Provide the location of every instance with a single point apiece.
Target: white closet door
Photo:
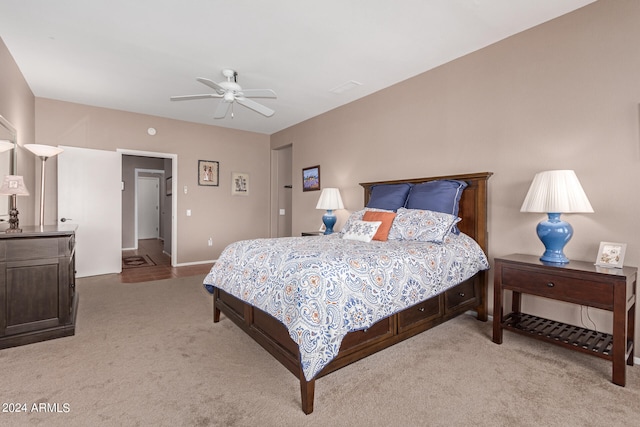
(148, 207)
(90, 195)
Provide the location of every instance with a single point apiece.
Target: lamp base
(14, 222)
(329, 220)
(554, 234)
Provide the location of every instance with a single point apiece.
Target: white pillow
(362, 231)
(421, 225)
(357, 216)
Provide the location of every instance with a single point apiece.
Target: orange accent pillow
(385, 217)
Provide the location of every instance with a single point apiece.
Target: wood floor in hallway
(162, 270)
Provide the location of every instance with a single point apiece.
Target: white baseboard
(184, 264)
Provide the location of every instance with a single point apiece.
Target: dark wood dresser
(38, 298)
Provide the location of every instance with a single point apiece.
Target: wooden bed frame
(469, 295)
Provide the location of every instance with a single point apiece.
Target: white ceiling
(133, 55)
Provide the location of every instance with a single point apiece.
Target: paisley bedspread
(323, 287)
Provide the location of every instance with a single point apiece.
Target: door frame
(174, 199)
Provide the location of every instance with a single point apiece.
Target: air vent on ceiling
(345, 87)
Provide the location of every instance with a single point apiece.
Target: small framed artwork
(311, 178)
(208, 172)
(239, 184)
(169, 186)
(611, 255)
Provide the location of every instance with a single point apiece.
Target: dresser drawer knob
(461, 294)
(550, 285)
(421, 309)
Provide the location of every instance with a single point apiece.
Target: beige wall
(563, 95)
(17, 105)
(215, 212)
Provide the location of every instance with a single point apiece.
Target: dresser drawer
(462, 294)
(30, 249)
(419, 313)
(555, 285)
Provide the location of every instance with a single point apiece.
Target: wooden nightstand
(577, 282)
(312, 233)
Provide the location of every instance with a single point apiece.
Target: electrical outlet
(210, 241)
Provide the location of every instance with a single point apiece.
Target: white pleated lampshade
(557, 191)
(330, 199)
(13, 184)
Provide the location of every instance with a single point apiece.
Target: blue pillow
(390, 197)
(439, 196)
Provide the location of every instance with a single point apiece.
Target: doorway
(166, 164)
(281, 191)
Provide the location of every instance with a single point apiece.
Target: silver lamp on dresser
(44, 152)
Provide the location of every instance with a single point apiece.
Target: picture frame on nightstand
(611, 255)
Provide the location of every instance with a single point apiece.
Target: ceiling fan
(230, 91)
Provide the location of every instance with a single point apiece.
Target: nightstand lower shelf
(575, 337)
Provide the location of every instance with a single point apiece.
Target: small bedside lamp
(555, 192)
(13, 185)
(330, 200)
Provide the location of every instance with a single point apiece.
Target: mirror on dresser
(8, 139)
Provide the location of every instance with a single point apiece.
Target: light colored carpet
(148, 354)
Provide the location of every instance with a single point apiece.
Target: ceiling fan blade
(258, 93)
(213, 85)
(189, 97)
(222, 109)
(255, 106)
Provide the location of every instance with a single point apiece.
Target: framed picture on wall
(239, 184)
(611, 254)
(311, 178)
(208, 172)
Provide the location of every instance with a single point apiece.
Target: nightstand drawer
(556, 286)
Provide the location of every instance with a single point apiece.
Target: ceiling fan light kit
(230, 91)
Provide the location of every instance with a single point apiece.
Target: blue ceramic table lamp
(554, 193)
(330, 200)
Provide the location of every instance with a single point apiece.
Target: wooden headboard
(473, 204)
